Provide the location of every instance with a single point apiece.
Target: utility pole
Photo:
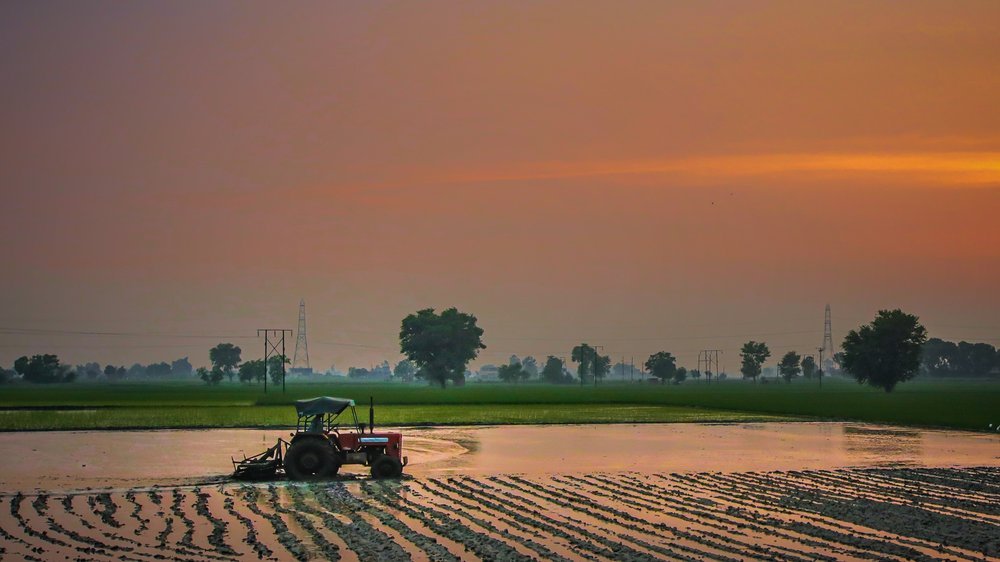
(709, 357)
(274, 337)
(827, 333)
(820, 367)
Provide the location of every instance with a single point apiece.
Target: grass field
(923, 403)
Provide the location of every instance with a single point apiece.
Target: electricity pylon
(301, 358)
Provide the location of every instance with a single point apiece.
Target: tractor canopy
(322, 405)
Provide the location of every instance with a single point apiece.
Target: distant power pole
(301, 345)
(273, 338)
(709, 357)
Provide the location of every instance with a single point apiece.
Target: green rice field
(971, 405)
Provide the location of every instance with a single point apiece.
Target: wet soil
(808, 515)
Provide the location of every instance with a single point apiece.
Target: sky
(644, 176)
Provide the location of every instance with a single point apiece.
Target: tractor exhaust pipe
(371, 414)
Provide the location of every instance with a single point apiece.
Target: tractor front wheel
(310, 459)
(386, 467)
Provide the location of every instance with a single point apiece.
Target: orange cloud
(965, 168)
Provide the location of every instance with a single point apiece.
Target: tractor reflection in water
(318, 449)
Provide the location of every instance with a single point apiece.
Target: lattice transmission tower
(827, 348)
(301, 358)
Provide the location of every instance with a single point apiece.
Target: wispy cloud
(949, 168)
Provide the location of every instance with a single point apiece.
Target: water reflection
(883, 446)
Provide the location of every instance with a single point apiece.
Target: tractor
(320, 446)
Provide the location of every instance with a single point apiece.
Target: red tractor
(319, 446)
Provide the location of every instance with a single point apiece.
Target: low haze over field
(636, 176)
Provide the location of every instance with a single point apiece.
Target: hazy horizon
(643, 176)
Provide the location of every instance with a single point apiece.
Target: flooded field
(798, 491)
(883, 514)
(117, 459)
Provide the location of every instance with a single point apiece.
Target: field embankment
(179, 405)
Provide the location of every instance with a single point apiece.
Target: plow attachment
(262, 466)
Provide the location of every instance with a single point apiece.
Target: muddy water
(121, 459)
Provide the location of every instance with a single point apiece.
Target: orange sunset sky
(642, 175)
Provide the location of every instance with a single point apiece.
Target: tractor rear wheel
(311, 459)
(387, 467)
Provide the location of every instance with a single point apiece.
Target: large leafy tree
(601, 366)
(753, 355)
(225, 357)
(441, 345)
(789, 367)
(252, 371)
(275, 367)
(530, 366)
(809, 368)
(583, 356)
(404, 370)
(43, 369)
(552, 372)
(885, 352)
(662, 365)
(512, 373)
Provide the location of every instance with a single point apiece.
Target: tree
(181, 367)
(274, 367)
(212, 377)
(226, 357)
(511, 373)
(789, 366)
(43, 369)
(404, 370)
(753, 355)
(552, 372)
(158, 370)
(885, 352)
(680, 375)
(662, 365)
(694, 374)
(530, 366)
(809, 368)
(252, 371)
(583, 356)
(601, 366)
(441, 345)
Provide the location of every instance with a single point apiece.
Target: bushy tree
(43, 369)
(512, 373)
(753, 354)
(404, 370)
(158, 370)
(680, 375)
(212, 377)
(252, 371)
(552, 372)
(276, 367)
(885, 352)
(583, 355)
(530, 366)
(662, 365)
(789, 366)
(181, 367)
(809, 367)
(226, 357)
(441, 345)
